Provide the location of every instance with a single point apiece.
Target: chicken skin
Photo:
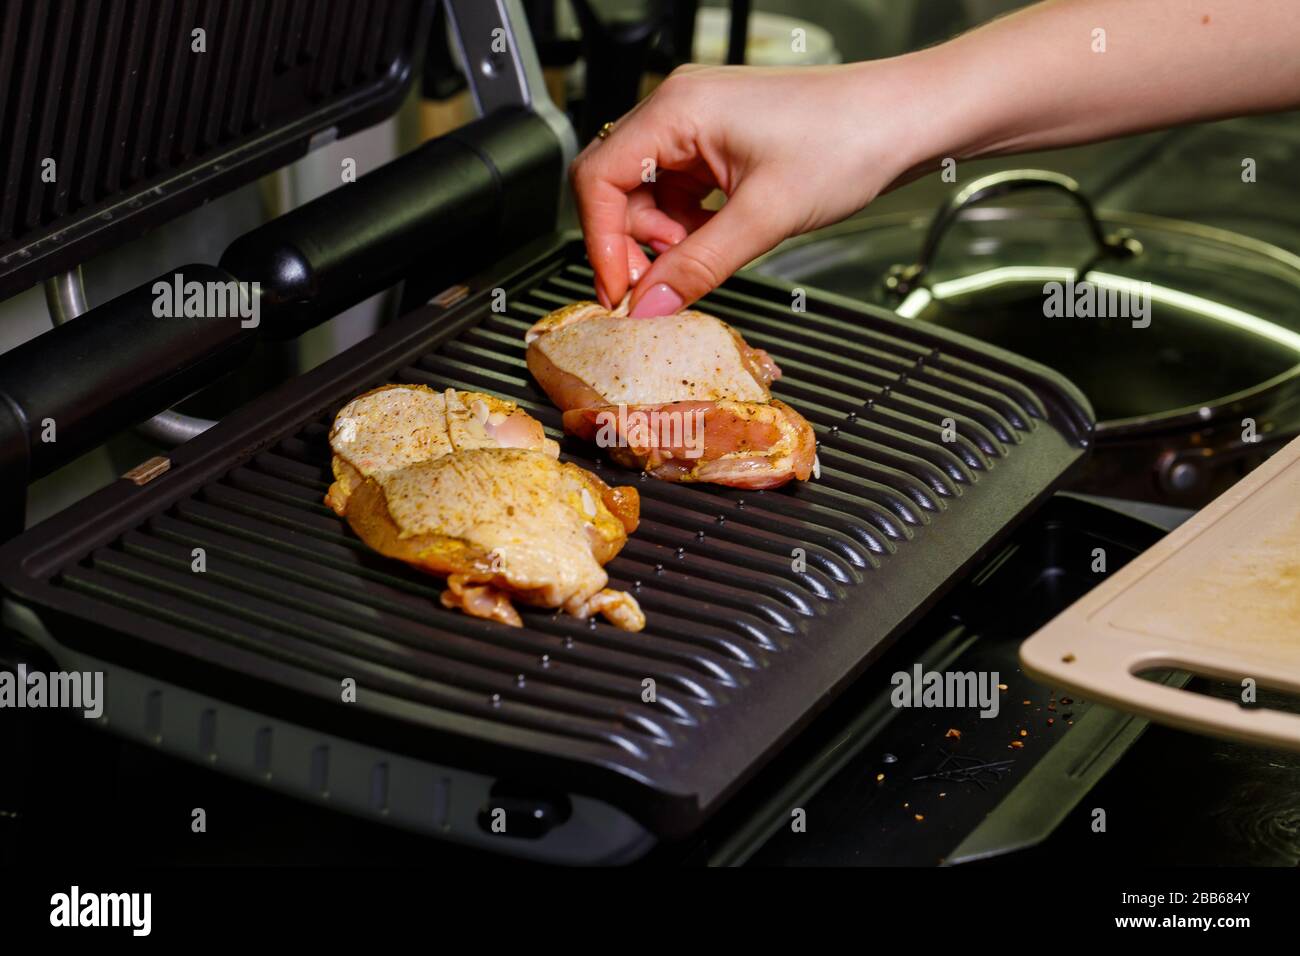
(743, 444)
(584, 355)
(682, 396)
(398, 425)
(503, 524)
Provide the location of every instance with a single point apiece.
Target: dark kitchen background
(1171, 797)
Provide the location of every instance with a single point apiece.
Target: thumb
(742, 230)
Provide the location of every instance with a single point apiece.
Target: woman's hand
(793, 149)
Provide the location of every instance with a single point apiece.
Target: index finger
(602, 210)
(603, 175)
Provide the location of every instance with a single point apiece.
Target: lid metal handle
(903, 279)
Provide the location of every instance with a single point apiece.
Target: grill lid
(116, 117)
(760, 605)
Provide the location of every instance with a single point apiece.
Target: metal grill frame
(734, 685)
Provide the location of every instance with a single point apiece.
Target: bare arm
(1073, 71)
(795, 149)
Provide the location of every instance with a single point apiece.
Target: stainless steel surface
(65, 297)
(172, 428)
(501, 63)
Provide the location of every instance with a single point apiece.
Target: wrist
(916, 110)
(957, 109)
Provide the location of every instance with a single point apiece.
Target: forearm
(797, 149)
(1045, 77)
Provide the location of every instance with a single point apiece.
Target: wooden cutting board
(1219, 596)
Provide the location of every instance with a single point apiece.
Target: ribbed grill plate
(759, 604)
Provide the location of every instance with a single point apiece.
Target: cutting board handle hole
(1248, 692)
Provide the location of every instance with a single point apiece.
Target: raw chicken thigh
(399, 425)
(584, 355)
(682, 396)
(467, 485)
(503, 524)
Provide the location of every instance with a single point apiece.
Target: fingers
(605, 178)
(741, 231)
(645, 224)
(649, 224)
(602, 208)
(679, 197)
(637, 265)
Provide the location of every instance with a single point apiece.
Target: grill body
(760, 606)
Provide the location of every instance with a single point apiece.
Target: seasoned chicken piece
(504, 523)
(399, 425)
(682, 396)
(584, 355)
(745, 444)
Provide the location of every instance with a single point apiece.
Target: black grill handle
(69, 389)
(439, 213)
(445, 210)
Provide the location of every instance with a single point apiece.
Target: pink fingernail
(661, 300)
(601, 295)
